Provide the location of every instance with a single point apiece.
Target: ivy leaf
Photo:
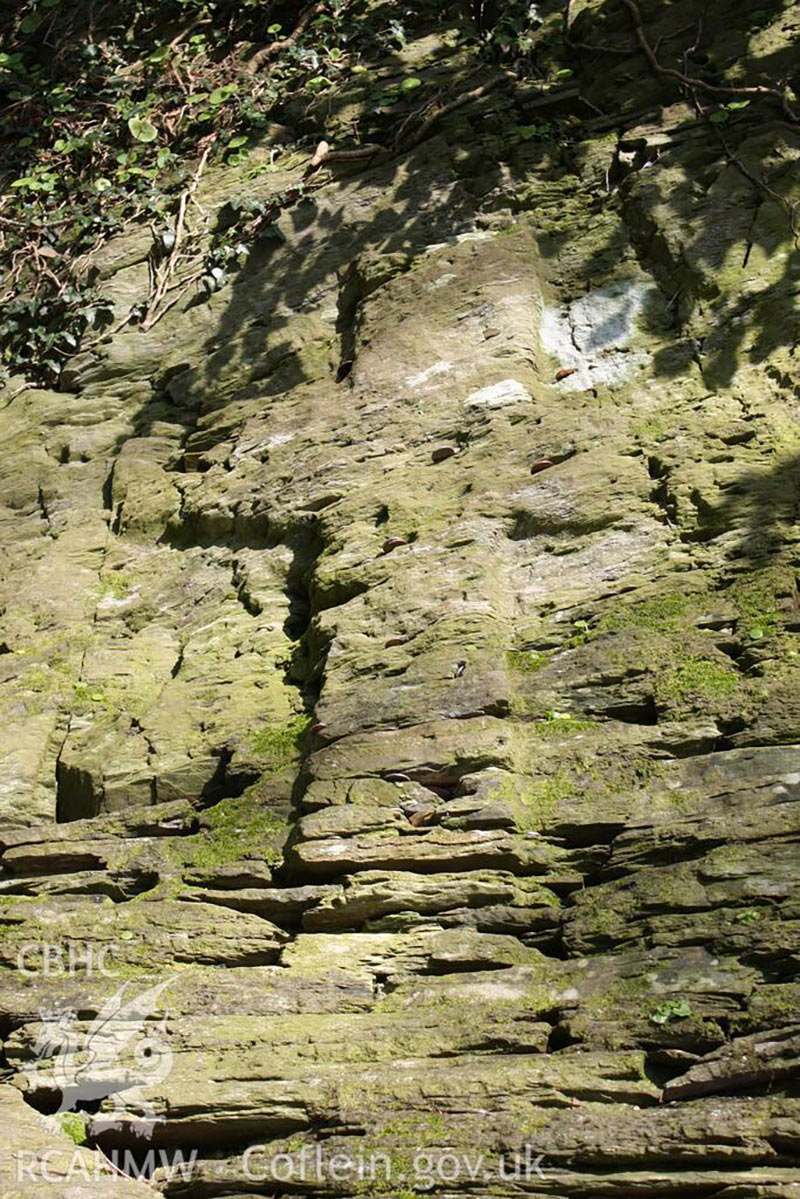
(671, 1009)
(142, 129)
(410, 84)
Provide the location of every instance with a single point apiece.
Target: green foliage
(541, 131)
(723, 115)
(114, 584)
(104, 113)
(142, 130)
(73, 1124)
(748, 916)
(757, 598)
(671, 1009)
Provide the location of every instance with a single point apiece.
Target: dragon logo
(115, 1060)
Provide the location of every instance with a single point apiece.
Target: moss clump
(234, 828)
(756, 599)
(659, 614)
(280, 745)
(114, 585)
(698, 679)
(73, 1125)
(525, 661)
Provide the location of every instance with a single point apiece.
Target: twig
(666, 37)
(623, 51)
(267, 52)
(762, 185)
(162, 283)
(115, 1168)
(106, 334)
(693, 48)
(444, 109)
(372, 151)
(410, 119)
(165, 308)
(693, 84)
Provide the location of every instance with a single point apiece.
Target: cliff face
(400, 659)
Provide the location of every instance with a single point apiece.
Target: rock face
(454, 799)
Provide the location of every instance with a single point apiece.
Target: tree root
(694, 84)
(162, 278)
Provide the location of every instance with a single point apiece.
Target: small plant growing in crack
(748, 916)
(669, 1010)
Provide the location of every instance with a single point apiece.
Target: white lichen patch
(497, 395)
(591, 335)
(438, 368)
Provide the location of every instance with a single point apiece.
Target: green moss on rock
(697, 680)
(279, 746)
(525, 661)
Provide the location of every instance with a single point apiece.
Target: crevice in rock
(309, 649)
(243, 594)
(108, 489)
(638, 712)
(561, 1037)
(76, 795)
(178, 663)
(44, 511)
(351, 293)
(224, 783)
(661, 495)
